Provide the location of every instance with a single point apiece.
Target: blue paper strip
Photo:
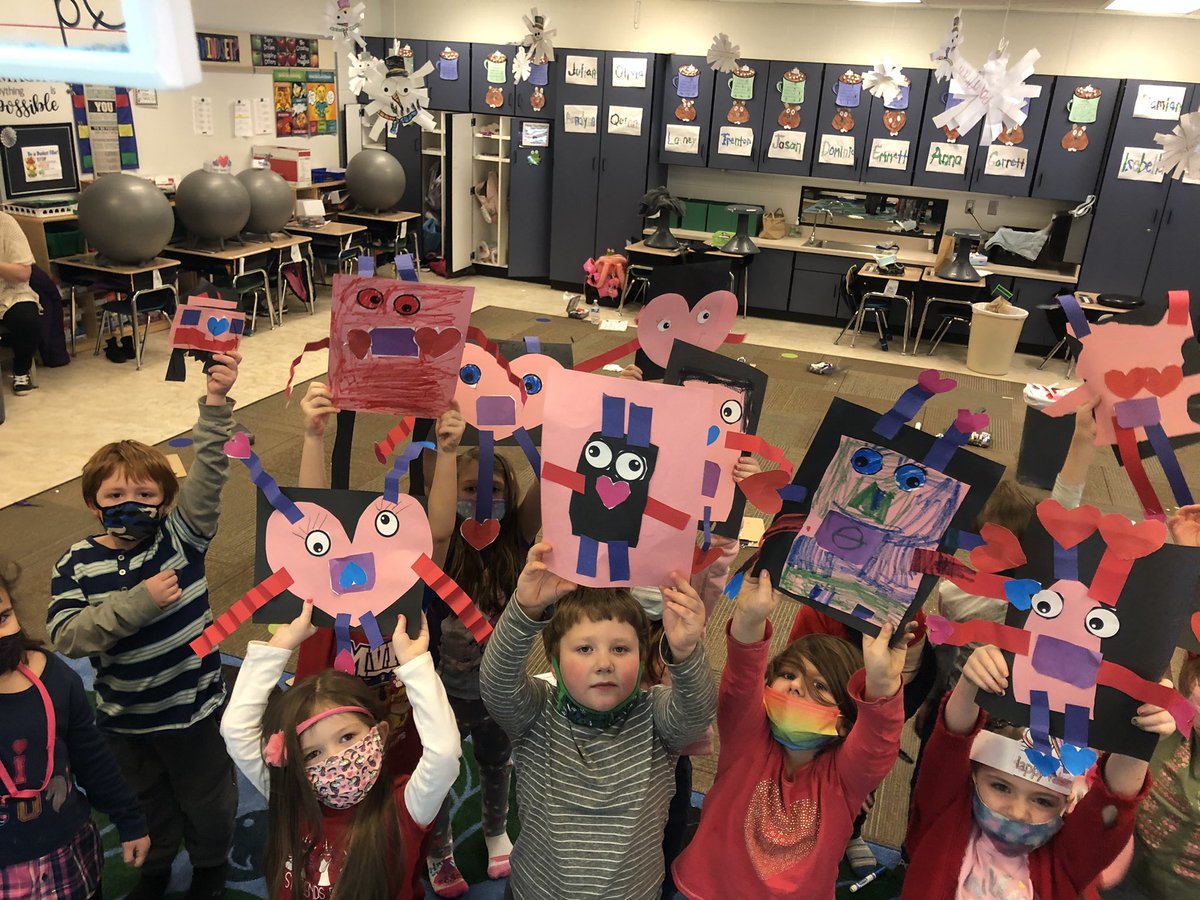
(904, 410)
(944, 448)
(370, 626)
(1039, 721)
(341, 633)
(1079, 322)
(956, 538)
(586, 564)
(618, 560)
(639, 425)
(271, 490)
(1166, 456)
(531, 450)
(612, 416)
(707, 542)
(1075, 725)
(1066, 563)
(735, 585)
(391, 483)
(487, 468)
(793, 493)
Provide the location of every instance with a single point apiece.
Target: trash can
(993, 339)
(1044, 440)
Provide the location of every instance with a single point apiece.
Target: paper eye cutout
(317, 543)
(387, 523)
(1102, 622)
(470, 375)
(1048, 604)
(731, 412)
(370, 298)
(630, 466)
(407, 305)
(909, 477)
(664, 325)
(866, 461)
(598, 454)
(703, 316)
(533, 384)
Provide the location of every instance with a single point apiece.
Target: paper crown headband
(1008, 756)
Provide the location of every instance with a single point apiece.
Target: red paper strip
(978, 631)
(599, 362)
(254, 599)
(566, 477)
(1127, 446)
(493, 349)
(454, 597)
(676, 518)
(384, 448)
(933, 562)
(1134, 685)
(322, 344)
(753, 443)
(734, 338)
(1178, 308)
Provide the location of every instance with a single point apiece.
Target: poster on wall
(322, 102)
(271, 51)
(305, 102)
(38, 159)
(104, 126)
(221, 48)
(34, 102)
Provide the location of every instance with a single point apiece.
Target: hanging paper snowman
(345, 22)
(396, 94)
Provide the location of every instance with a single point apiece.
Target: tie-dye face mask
(800, 724)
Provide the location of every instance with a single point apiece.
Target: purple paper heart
(933, 382)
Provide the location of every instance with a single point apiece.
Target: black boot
(208, 883)
(152, 885)
(127, 347)
(113, 352)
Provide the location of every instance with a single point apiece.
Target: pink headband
(276, 751)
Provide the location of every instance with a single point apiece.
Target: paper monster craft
(621, 470)
(1137, 371)
(201, 327)
(394, 347)
(360, 557)
(1092, 624)
(874, 491)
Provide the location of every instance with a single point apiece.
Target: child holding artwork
(133, 598)
(595, 755)
(49, 748)
(805, 738)
(340, 822)
(489, 578)
(985, 825)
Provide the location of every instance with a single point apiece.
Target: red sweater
(771, 836)
(942, 822)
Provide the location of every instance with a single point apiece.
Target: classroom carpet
(37, 530)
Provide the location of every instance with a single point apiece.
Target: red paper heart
(479, 534)
(1132, 540)
(967, 421)
(239, 446)
(933, 382)
(1068, 526)
(1164, 381)
(1125, 384)
(359, 342)
(940, 629)
(1000, 552)
(762, 489)
(434, 343)
(702, 559)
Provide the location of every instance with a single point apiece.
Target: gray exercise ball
(271, 200)
(212, 205)
(375, 179)
(127, 219)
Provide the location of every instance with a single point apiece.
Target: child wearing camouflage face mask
(141, 585)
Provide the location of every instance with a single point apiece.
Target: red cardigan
(941, 823)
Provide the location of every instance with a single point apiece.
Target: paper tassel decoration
(944, 56)
(537, 41)
(997, 95)
(522, 65)
(344, 22)
(723, 54)
(1181, 148)
(885, 80)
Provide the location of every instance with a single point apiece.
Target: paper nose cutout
(612, 493)
(351, 574)
(359, 342)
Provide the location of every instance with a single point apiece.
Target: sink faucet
(812, 235)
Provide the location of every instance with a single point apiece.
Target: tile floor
(51, 432)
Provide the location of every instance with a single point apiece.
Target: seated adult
(20, 309)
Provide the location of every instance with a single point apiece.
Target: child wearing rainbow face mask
(804, 740)
(985, 825)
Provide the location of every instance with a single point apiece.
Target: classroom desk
(928, 278)
(339, 235)
(391, 225)
(35, 232)
(1087, 302)
(909, 278)
(257, 257)
(87, 272)
(640, 272)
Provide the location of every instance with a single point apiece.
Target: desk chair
(948, 319)
(302, 269)
(144, 302)
(637, 281)
(863, 302)
(255, 283)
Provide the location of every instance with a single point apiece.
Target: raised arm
(443, 488)
(740, 713)
(683, 712)
(200, 493)
(1068, 487)
(317, 406)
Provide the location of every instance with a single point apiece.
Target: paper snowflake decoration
(522, 65)
(944, 56)
(885, 80)
(538, 39)
(723, 54)
(396, 95)
(1181, 148)
(997, 95)
(344, 22)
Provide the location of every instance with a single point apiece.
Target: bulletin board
(38, 159)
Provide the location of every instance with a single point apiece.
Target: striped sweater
(593, 801)
(147, 677)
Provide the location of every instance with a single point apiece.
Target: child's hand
(1155, 719)
(632, 372)
(134, 852)
(537, 586)
(222, 375)
(1185, 526)
(683, 617)
(745, 467)
(164, 588)
(406, 648)
(757, 599)
(1085, 422)
(987, 669)
(317, 406)
(883, 662)
(297, 631)
(450, 428)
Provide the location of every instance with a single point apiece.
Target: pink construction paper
(716, 451)
(667, 318)
(213, 331)
(495, 388)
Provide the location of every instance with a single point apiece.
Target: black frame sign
(28, 154)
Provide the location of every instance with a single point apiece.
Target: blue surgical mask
(1020, 836)
(466, 509)
(132, 520)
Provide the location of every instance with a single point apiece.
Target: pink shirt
(988, 873)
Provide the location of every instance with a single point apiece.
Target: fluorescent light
(885, 1)
(1161, 7)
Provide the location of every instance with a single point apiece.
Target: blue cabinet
(816, 282)
(738, 103)
(626, 167)
(1068, 166)
(687, 110)
(1007, 165)
(842, 122)
(492, 89)
(893, 133)
(576, 142)
(534, 97)
(788, 130)
(771, 279)
(530, 173)
(1173, 264)
(450, 84)
(944, 160)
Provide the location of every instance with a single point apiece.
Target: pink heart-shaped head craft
(238, 447)
(932, 381)
(967, 421)
(667, 318)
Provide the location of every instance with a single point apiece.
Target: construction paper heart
(1125, 384)
(1068, 527)
(1164, 381)
(702, 559)
(940, 629)
(1196, 625)
(762, 489)
(932, 381)
(238, 447)
(667, 318)
(434, 343)
(612, 493)
(359, 342)
(480, 534)
(217, 327)
(1019, 592)
(1000, 551)
(1132, 540)
(1046, 763)
(1076, 760)
(967, 421)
